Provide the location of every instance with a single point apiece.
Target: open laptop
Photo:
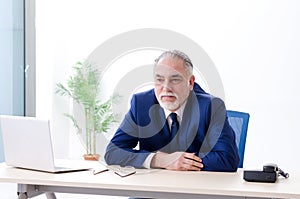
(27, 144)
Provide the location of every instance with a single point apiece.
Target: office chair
(239, 122)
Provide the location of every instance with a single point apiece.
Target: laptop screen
(27, 142)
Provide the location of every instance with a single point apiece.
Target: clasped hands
(179, 161)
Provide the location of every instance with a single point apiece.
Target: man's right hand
(179, 161)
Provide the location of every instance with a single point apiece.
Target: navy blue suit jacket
(204, 130)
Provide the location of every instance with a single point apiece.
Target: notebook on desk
(27, 144)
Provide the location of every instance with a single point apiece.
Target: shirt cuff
(147, 162)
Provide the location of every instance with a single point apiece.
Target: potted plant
(84, 89)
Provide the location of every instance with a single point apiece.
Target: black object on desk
(269, 174)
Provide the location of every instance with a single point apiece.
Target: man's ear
(191, 82)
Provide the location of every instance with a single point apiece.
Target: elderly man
(176, 125)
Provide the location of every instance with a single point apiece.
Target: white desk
(150, 183)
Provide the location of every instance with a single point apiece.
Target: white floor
(9, 191)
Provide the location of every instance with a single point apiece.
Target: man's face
(172, 83)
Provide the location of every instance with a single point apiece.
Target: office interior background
(254, 46)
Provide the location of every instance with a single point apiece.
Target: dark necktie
(174, 125)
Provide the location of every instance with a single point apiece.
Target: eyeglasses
(120, 171)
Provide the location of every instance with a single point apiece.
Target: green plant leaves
(84, 88)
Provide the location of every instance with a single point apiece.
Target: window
(11, 60)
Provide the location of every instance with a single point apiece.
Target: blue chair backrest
(239, 123)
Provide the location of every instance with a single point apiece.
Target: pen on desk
(95, 172)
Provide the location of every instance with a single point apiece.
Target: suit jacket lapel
(190, 122)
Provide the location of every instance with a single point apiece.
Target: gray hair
(177, 54)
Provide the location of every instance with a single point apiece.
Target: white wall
(254, 45)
